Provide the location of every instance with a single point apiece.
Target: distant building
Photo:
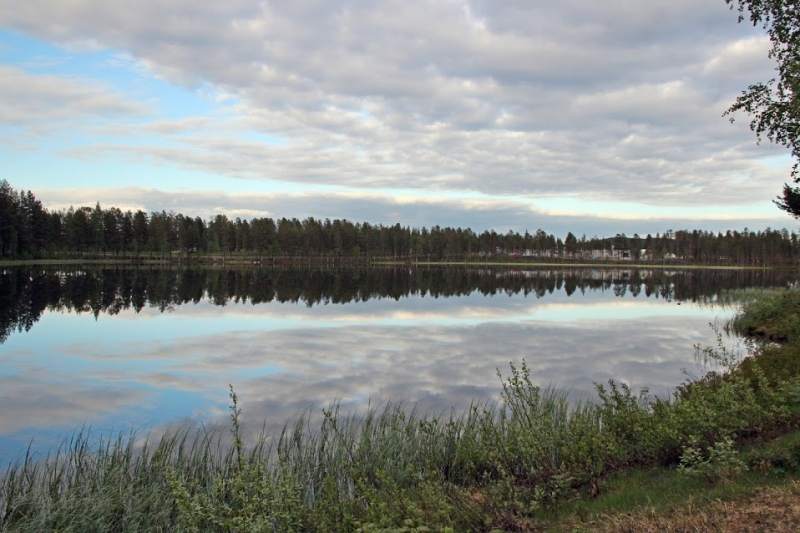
(621, 253)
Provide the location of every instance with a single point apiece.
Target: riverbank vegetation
(29, 231)
(537, 460)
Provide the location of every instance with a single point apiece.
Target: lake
(122, 348)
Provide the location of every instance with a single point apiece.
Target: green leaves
(720, 461)
(775, 105)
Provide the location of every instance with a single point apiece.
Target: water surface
(125, 348)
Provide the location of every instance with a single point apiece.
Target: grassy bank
(535, 462)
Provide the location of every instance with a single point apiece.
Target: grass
(778, 313)
(662, 498)
(536, 461)
(767, 509)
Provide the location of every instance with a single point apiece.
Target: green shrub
(719, 462)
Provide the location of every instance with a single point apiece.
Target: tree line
(30, 231)
(27, 292)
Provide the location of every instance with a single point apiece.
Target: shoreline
(256, 261)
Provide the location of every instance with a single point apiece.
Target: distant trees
(27, 230)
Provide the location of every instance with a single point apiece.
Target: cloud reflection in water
(285, 358)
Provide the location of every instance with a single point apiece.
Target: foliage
(719, 462)
(774, 104)
(247, 498)
(773, 315)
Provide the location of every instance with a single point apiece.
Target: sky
(583, 116)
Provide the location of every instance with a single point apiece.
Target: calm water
(116, 349)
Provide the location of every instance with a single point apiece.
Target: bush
(719, 462)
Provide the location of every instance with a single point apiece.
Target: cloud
(389, 208)
(39, 399)
(445, 366)
(43, 101)
(633, 163)
(740, 61)
(614, 101)
(280, 372)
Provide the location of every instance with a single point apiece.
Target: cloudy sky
(577, 115)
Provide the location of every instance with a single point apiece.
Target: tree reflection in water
(27, 292)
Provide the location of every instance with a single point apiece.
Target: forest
(30, 231)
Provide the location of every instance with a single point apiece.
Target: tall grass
(394, 468)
